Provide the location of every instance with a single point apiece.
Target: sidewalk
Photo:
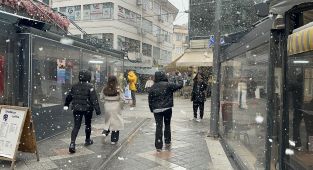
(191, 149)
(54, 151)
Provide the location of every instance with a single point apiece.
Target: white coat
(113, 112)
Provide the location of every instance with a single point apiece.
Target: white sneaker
(113, 143)
(198, 120)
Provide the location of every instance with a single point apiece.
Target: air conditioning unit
(139, 2)
(160, 18)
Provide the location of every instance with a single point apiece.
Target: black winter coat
(83, 95)
(198, 92)
(161, 93)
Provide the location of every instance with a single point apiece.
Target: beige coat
(113, 112)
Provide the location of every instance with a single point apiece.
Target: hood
(160, 76)
(131, 74)
(84, 76)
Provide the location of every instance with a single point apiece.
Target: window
(156, 52)
(164, 15)
(156, 30)
(128, 17)
(72, 12)
(156, 8)
(128, 44)
(147, 25)
(146, 49)
(179, 37)
(147, 5)
(243, 101)
(98, 11)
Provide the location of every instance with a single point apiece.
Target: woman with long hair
(198, 96)
(112, 97)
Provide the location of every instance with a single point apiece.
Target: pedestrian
(198, 96)
(160, 103)
(149, 84)
(112, 96)
(84, 100)
(132, 80)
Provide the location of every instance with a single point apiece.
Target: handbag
(127, 93)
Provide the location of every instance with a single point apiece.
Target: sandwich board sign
(16, 133)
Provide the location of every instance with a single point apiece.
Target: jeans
(197, 105)
(114, 135)
(78, 116)
(133, 95)
(159, 117)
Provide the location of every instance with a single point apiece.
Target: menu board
(11, 125)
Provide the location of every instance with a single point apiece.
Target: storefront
(266, 92)
(37, 68)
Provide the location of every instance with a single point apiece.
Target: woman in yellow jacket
(132, 80)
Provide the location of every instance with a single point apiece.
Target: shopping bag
(127, 93)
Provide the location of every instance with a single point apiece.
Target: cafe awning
(196, 57)
(301, 41)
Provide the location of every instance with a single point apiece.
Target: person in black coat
(198, 96)
(84, 100)
(160, 103)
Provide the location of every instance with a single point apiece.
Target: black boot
(88, 142)
(72, 148)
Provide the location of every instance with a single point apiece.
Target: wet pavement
(191, 149)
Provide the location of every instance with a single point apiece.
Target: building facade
(144, 29)
(180, 40)
(236, 16)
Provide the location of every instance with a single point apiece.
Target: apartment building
(180, 40)
(143, 28)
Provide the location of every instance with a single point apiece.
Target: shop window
(243, 105)
(97, 65)
(55, 70)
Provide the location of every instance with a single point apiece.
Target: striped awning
(301, 41)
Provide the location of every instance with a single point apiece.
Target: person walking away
(160, 103)
(149, 84)
(198, 96)
(112, 96)
(84, 100)
(132, 80)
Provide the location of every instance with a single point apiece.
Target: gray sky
(182, 5)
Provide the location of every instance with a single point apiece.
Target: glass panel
(243, 105)
(146, 49)
(97, 64)
(55, 69)
(300, 81)
(72, 12)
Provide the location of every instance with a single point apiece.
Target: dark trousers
(159, 118)
(78, 117)
(197, 105)
(133, 95)
(114, 135)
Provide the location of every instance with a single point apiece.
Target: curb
(123, 144)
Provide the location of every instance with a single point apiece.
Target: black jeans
(197, 105)
(114, 135)
(159, 117)
(78, 116)
(133, 95)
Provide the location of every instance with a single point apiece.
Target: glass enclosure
(243, 105)
(55, 68)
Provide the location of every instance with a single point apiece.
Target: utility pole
(215, 101)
